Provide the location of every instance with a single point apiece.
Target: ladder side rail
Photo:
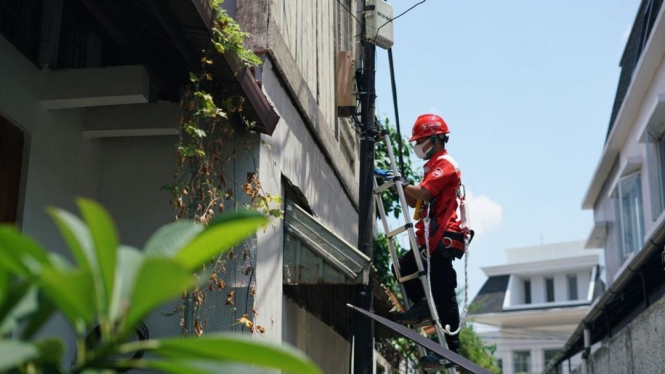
(391, 245)
(407, 216)
(393, 256)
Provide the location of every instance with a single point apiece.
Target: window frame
(549, 281)
(524, 361)
(573, 293)
(626, 249)
(527, 291)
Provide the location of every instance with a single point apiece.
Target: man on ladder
(436, 200)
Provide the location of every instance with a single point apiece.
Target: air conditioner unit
(378, 23)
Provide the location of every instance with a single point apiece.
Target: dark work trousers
(444, 281)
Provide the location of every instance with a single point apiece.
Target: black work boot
(419, 312)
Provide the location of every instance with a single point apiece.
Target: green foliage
(383, 262)
(227, 36)
(382, 161)
(208, 144)
(115, 287)
(474, 349)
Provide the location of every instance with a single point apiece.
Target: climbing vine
(202, 188)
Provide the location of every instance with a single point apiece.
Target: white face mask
(420, 150)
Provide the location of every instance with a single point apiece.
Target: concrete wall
(638, 348)
(60, 164)
(308, 334)
(291, 151)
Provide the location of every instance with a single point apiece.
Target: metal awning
(315, 255)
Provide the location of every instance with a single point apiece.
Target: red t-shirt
(442, 179)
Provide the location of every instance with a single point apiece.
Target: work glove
(385, 174)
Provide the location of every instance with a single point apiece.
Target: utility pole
(363, 327)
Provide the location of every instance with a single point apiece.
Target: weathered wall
(291, 151)
(308, 28)
(308, 333)
(637, 349)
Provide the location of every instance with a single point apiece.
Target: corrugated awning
(315, 255)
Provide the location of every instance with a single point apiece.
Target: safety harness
(456, 243)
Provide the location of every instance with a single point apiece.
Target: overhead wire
(347, 9)
(394, 18)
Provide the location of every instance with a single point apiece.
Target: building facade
(626, 194)
(89, 106)
(532, 304)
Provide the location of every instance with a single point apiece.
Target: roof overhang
(186, 26)
(597, 236)
(624, 121)
(315, 255)
(542, 267)
(535, 317)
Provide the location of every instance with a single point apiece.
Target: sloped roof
(491, 295)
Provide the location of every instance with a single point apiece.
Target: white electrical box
(378, 23)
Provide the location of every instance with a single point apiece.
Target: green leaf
(71, 291)
(15, 354)
(221, 235)
(20, 254)
(59, 261)
(76, 235)
(170, 238)
(199, 367)
(39, 318)
(130, 261)
(105, 239)
(78, 238)
(21, 300)
(51, 350)
(158, 281)
(238, 348)
(4, 285)
(174, 367)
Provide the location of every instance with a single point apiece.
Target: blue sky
(526, 88)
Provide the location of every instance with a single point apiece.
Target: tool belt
(453, 244)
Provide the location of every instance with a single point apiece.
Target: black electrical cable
(394, 18)
(347, 9)
(399, 133)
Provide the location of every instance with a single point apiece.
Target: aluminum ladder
(407, 227)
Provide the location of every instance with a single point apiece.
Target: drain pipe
(587, 349)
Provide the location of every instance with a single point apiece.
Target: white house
(627, 195)
(534, 302)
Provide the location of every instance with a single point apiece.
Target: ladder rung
(398, 231)
(384, 187)
(409, 277)
(425, 323)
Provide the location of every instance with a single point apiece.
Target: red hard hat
(428, 125)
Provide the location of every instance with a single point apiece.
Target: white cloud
(485, 213)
